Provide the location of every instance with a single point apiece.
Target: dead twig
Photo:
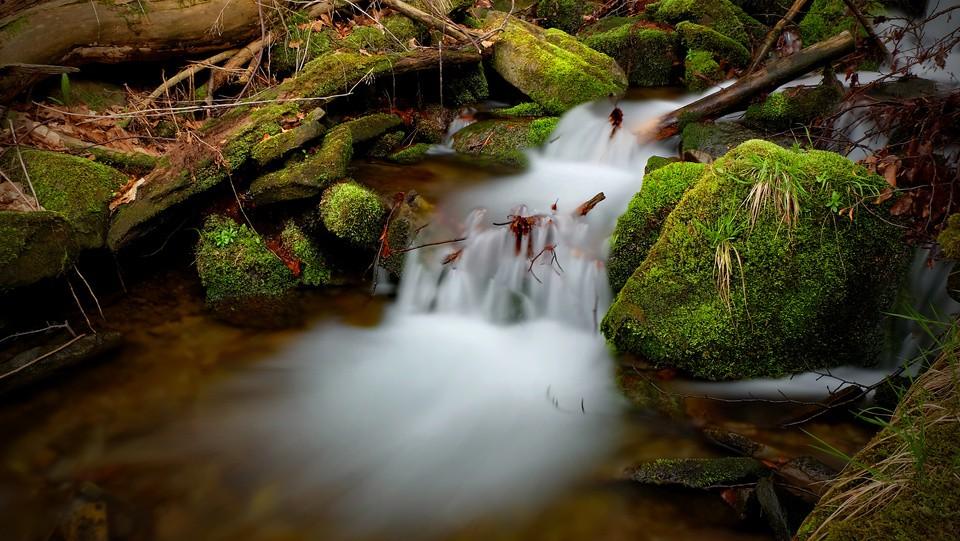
(42, 357)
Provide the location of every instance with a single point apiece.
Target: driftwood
(871, 32)
(774, 34)
(773, 75)
(188, 72)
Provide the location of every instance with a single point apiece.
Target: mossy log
(76, 32)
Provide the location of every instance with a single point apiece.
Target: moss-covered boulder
(701, 70)
(827, 18)
(34, 246)
(310, 265)
(656, 162)
(639, 227)
(715, 138)
(465, 85)
(697, 472)
(410, 155)
(77, 188)
(793, 107)
(567, 15)
(237, 269)
(274, 147)
(372, 126)
(701, 38)
(353, 213)
(722, 16)
(646, 52)
(552, 67)
(304, 178)
(755, 274)
(503, 141)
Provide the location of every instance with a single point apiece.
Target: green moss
(697, 472)
(353, 213)
(277, 146)
(308, 177)
(827, 18)
(432, 122)
(551, 67)
(313, 267)
(501, 141)
(301, 44)
(132, 163)
(949, 238)
(524, 109)
(234, 262)
(466, 85)
(567, 15)
(639, 227)
(538, 134)
(367, 127)
(698, 37)
(411, 154)
(801, 296)
(33, 246)
(646, 54)
(793, 107)
(657, 162)
(701, 70)
(77, 188)
(385, 145)
(720, 15)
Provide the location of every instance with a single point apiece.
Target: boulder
(353, 213)
(552, 67)
(721, 15)
(34, 246)
(755, 275)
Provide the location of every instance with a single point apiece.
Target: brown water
(155, 429)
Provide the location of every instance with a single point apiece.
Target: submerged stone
(308, 177)
(646, 52)
(353, 213)
(797, 287)
(504, 141)
(552, 67)
(639, 227)
(34, 246)
(697, 472)
(77, 188)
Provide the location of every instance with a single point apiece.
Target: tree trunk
(76, 32)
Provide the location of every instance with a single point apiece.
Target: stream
(478, 402)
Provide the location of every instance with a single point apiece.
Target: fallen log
(443, 25)
(773, 75)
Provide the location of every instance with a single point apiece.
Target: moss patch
(411, 154)
(313, 267)
(701, 70)
(523, 109)
(639, 227)
(368, 127)
(800, 295)
(567, 15)
(949, 238)
(77, 188)
(646, 54)
(33, 246)
(656, 162)
(827, 18)
(720, 15)
(697, 472)
(353, 213)
(504, 141)
(551, 67)
(277, 146)
(699, 37)
(793, 107)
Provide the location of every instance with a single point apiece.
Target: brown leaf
(890, 174)
(902, 206)
(884, 196)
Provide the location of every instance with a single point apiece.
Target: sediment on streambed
(714, 191)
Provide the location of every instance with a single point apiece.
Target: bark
(773, 75)
(76, 32)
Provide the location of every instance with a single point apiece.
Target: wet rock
(567, 15)
(820, 297)
(504, 141)
(371, 126)
(307, 177)
(697, 472)
(715, 138)
(551, 67)
(646, 53)
(639, 227)
(411, 215)
(773, 512)
(702, 38)
(386, 144)
(430, 125)
(410, 155)
(353, 213)
(243, 279)
(39, 363)
(466, 85)
(701, 70)
(34, 246)
(793, 107)
(721, 15)
(78, 189)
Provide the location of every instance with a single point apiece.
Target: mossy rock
(504, 141)
(567, 15)
(701, 70)
(411, 215)
(715, 138)
(77, 188)
(721, 15)
(656, 162)
(465, 85)
(313, 267)
(697, 472)
(237, 269)
(701, 38)
(369, 127)
(793, 107)
(552, 67)
(280, 145)
(949, 238)
(646, 53)
(301, 44)
(431, 123)
(353, 213)
(799, 294)
(827, 18)
(386, 144)
(393, 34)
(307, 177)
(526, 109)
(34, 246)
(639, 227)
(410, 155)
